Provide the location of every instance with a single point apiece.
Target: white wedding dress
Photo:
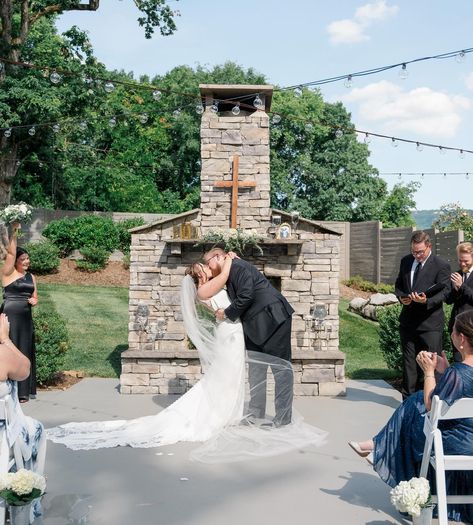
(211, 411)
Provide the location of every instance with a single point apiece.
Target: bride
(212, 411)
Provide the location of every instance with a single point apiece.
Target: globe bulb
(156, 94)
(83, 125)
(214, 107)
(467, 176)
(55, 77)
(56, 128)
(367, 139)
(143, 118)
(399, 176)
(460, 57)
(441, 150)
(2, 67)
(348, 82)
(258, 103)
(109, 87)
(403, 73)
(338, 133)
(199, 109)
(32, 131)
(176, 113)
(236, 110)
(112, 122)
(394, 143)
(276, 119)
(419, 147)
(7, 133)
(88, 80)
(309, 126)
(298, 92)
(461, 154)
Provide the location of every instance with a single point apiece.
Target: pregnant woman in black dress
(19, 295)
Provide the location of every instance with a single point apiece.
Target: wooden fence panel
(365, 250)
(445, 246)
(395, 243)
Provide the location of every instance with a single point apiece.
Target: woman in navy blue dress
(396, 451)
(19, 295)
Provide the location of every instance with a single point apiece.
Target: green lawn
(97, 322)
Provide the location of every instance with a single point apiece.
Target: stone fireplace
(301, 259)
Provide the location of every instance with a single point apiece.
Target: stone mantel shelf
(316, 355)
(264, 241)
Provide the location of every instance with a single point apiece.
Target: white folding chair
(463, 408)
(10, 454)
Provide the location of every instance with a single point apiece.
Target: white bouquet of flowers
(20, 212)
(411, 496)
(22, 487)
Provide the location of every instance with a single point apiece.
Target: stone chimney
(235, 146)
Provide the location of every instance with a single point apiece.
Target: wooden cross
(234, 184)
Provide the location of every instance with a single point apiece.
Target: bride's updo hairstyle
(464, 325)
(193, 271)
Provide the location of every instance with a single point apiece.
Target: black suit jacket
(462, 299)
(429, 316)
(260, 307)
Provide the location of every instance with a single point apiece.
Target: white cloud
(353, 30)
(469, 81)
(421, 110)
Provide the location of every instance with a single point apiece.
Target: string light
(394, 143)
(338, 133)
(236, 109)
(403, 73)
(419, 147)
(276, 119)
(298, 91)
(258, 103)
(7, 133)
(460, 57)
(109, 87)
(348, 81)
(367, 139)
(199, 109)
(214, 107)
(461, 154)
(112, 122)
(156, 94)
(143, 118)
(56, 128)
(32, 131)
(55, 77)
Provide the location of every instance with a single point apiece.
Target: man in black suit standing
(461, 291)
(266, 318)
(421, 287)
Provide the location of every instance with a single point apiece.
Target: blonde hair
(465, 247)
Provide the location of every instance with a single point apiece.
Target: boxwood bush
(389, 339)
(95, 259)
(44, 257)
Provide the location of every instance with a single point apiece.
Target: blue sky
(303, 40)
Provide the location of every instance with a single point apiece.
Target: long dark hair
(464, 325)
(20, 252)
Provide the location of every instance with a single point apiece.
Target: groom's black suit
(266, 318)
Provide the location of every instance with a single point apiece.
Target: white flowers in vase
(411, 496)
(20, 212)
(233, 239)
(22, 487)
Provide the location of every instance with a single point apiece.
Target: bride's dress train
(209, 412)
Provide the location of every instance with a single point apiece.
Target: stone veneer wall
(222, 137)
(159, 359)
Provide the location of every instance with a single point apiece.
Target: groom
(266, 318)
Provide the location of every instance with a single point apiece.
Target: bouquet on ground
(22, 487)
(411, 496)
(20, 212)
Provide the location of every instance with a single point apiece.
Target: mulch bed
(63, 380)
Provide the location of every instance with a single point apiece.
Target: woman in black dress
(19, 295)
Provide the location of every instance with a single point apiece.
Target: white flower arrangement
(411, 496)
(22, 487)
(233, 239)
(20, 212)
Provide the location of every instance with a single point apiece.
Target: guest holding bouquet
(19, 295)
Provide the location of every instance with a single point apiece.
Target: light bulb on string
(258, 103)
(88, 80)
(32, 131)
(56, 128)
(55, 77)
(109, 87)
(309, 127)
(367, 138)
(2, 67)
(339, 133)
(298, 91)
(7, 133)
(199, 109)
(348, 82)
(467, 176)
(156, 94)
(444, 175)
(461, 154)
(419, 146)
(236, 109)
(399, 176)
(112, 122)
(422, 176)
(214, 107)
(18, 163)
(394, 143)
(143, 118)
(460, 58)
(83, 125)
(441, 150)
(403, 73)
(276, 119)
(176, 113)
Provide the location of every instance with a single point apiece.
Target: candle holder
(315, 324)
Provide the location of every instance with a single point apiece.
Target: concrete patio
(124, 486)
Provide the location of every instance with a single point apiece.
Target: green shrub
(52, 343)
(44, 257)
(126, 261)
(389, 339)
(86, 231)
(95, 259)
(358, 283)
(124, 236)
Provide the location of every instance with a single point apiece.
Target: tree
(453, 217)
(26, 96)
(398, 206)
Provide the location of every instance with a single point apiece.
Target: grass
(359, 341)
(97, 322)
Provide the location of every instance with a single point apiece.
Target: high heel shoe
(356, 447)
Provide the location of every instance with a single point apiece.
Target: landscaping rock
(371, 307)
(383, 299)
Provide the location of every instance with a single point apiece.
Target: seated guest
(14, 366)
(461, 291)
(396, 451)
